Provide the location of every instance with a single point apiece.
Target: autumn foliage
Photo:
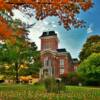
(65, 10)
(4, 5)
(5, 31)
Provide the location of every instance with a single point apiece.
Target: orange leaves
(5, 6)
(66, 10)
(1, 3)
(19, 2)
(5, 30)
(86, 5)
(20, 31)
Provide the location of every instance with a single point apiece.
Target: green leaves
(90, 67)
(19, 53)
(92, 45)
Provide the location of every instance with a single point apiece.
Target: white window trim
(61, 63)
(61, 66)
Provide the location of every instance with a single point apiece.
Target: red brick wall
(65, 63)
(53, 60)
(49, 43)
(56, 63)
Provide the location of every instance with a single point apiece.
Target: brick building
(56, 61)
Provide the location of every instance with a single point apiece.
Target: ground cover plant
(38, 92)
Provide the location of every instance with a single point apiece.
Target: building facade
(56, 61)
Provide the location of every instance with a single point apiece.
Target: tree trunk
(16, 74)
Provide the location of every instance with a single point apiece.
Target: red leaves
(4, 5)
(86, 5)
(5, 30)
(66, 10)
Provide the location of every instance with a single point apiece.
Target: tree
(92, 45)
(32, 68)
(65, 10)
(9, 26)
(89, 69)
(17, 54)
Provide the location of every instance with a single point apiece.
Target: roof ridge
(48, 33)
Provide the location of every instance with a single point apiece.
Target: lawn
(38, 92)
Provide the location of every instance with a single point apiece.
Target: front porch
(46, 72)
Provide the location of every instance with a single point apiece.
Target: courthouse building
(56, 61)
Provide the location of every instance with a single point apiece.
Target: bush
(53, 85)
(92, 82)
(71, 79)
(89, 69)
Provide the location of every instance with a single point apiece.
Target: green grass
(38, 92)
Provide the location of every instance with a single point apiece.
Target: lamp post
(58, 80)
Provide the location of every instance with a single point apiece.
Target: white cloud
(38, 28)
(19, 15)
(45, 22)
(50, 23)
(90, 30)
(54, 26)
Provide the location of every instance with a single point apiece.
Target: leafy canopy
(65, 10)
(18, 56)
(10, 27)
(89, 69)
(92, 45)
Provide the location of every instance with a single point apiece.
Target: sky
(72, 40)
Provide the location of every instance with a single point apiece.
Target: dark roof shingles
(61, 50)
(49, 33)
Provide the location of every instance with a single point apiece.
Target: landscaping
(38, 92)
(34, 65)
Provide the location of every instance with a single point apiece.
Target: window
(47, 62)
(61, 66)
(61, 70)
(61, 63)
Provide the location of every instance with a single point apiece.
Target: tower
(49, 40)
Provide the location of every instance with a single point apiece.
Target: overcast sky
(71, 40)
